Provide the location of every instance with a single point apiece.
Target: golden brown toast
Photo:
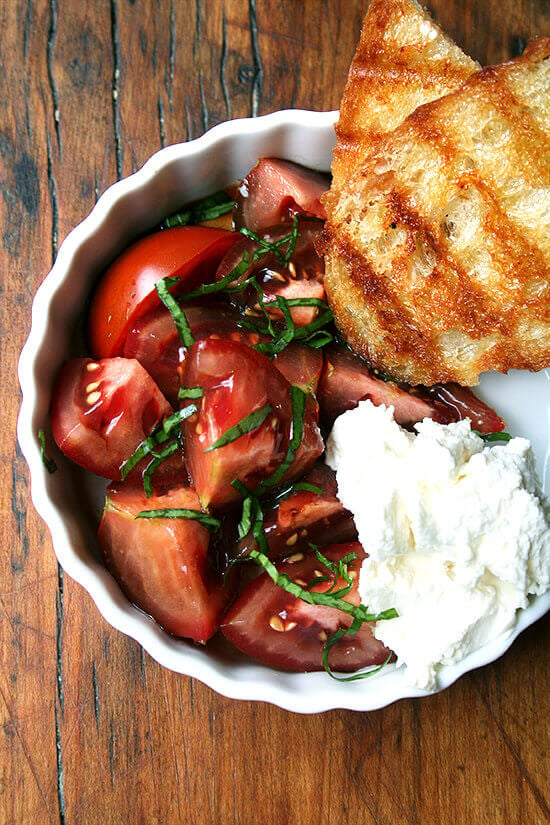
(438, 248)
(403, 59)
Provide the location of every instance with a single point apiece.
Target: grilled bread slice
(438, 249)
(403, 59)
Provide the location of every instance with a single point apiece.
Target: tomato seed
(276, 623)
(322, 636)
(92, 366)
(93, 398)
(296, 557)
(93, 386)
(291, 540)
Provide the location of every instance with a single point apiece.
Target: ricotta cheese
(457, 532)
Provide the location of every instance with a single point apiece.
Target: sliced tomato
(127, 291)
(282, 631)
(153, 340)
(302, 277)
(454, 403)
(102, 410)
(306, 517)
(274, 191)
(301, 366)
(163, 565)
(347, 379)
(237, 381)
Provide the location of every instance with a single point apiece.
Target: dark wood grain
(91, 729)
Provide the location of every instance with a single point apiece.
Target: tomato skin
(102, 410)
(236, 381)
(347, 379)
(163, 565)
(275, 190)
(297, 645)
(127, 291)
(454, 403)
(304, 517)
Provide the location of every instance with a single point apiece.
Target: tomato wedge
(127, 291)
(302, 277)
(236, 382)
(273, 626)
(163, 565)
(306, 517)
(274, 191)
(153, 340)
(102, 410)
(454, 403)
(301, 366)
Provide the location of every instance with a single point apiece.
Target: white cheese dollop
(458, 533)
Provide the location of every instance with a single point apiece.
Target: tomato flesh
(127, 291)
(301, 366)
(305, 517)
(102, 410)
(273, 626)
(237, 381)
(275, 190)
(302, 277)
(454, 403)
(154, 341)
(162, 564)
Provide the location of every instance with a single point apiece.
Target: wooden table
(93, 730)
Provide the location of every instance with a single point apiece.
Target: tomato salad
(215, 375)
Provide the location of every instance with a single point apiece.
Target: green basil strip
(158, 435)
(340, 633)
(214, 206)
(318, 340)
(304, 486)
(210, 522)
(294, 235)
(494, 436)
(182, 218)
(240, 488)
(220, 286)
(298, 402)
(180, 319)
(189, 392)
(245, 425)
(359, 612)
(48, 463)
(158, 459)
(245, 523)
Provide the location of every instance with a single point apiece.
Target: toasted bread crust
(403, 59)
(438, 247)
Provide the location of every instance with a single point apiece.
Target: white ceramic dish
(70, 501)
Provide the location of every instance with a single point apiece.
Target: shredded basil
(48, 463)
(210, 522)
(189, 392)
(304, 486)
(158, 459)
(246, 425)
(214, 206)
(350, 631)
(494, 436)
(158, 435)
(298, 402)
(180, 319)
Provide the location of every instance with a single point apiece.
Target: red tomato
(163, 564)
(273, 626)
(237, 381)
(102, 410)
(454, 403)
(127, 289)
(153, 340)
(304, 517)
(301, 366)
(302, 277)
(347, 379)
(274, 191)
